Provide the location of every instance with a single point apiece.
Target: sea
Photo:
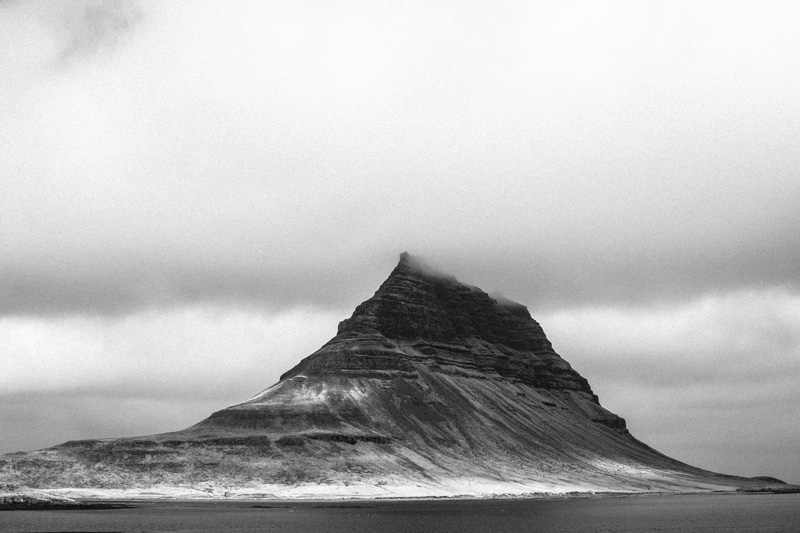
(762, 513)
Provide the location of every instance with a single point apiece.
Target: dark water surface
(778, 513)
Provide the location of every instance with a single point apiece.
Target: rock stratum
(431, 388)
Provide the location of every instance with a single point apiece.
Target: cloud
(72, 30)
(712, 382)
(257, 154)
(71, 377)
(204, 352)
(92, 26)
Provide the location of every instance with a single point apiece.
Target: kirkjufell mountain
(430, 388)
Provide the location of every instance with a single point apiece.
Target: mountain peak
(421, 315)
(419, 301)
(417, 266)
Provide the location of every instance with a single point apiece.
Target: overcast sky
(193, 194)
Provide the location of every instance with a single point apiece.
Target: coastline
(48, 500)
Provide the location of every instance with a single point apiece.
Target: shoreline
(40, 502)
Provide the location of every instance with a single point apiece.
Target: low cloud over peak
(112, 280)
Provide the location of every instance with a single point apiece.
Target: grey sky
(207, 164)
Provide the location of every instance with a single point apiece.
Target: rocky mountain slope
(430, 388)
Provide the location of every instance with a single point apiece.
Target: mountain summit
(405, 353)
(430, 388)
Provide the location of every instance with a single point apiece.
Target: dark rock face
(429, 386)
(448, 324)
(420, 327)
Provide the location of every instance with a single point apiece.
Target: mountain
(430, 388)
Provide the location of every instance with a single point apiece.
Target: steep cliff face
(427, 317)
(420, 331)
(430, 388)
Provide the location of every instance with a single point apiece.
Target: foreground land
(36, 500)
(21, 498)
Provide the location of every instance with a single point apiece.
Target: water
(763, 513)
